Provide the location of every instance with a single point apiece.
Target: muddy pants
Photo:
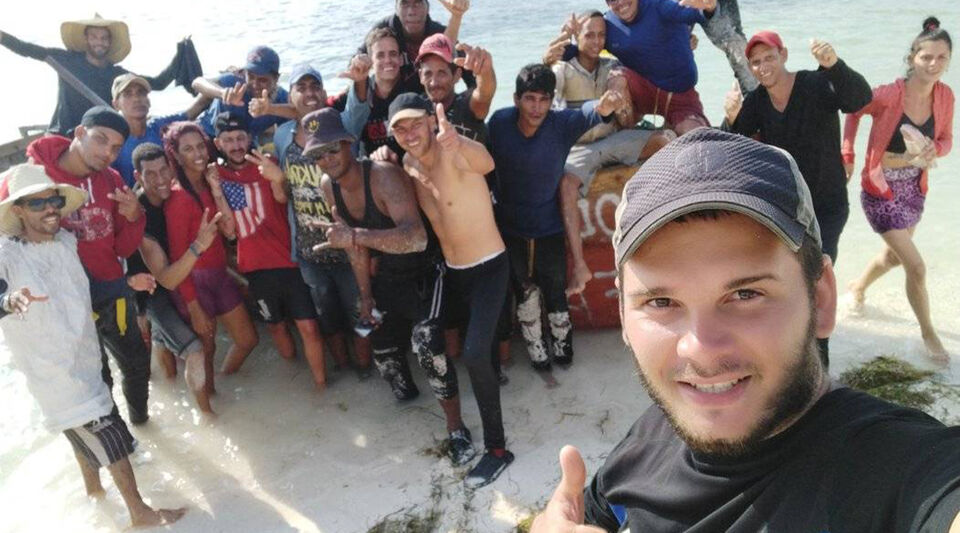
(538, 270)
(412, 308)
(481, 290)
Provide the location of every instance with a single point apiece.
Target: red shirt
(103, 234)
(263, 232)
(184, 216)
(886, 108)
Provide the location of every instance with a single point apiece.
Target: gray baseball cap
(711, 169)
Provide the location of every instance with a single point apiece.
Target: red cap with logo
(437, 44)
(766, 37)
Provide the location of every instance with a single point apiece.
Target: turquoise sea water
(872, 37)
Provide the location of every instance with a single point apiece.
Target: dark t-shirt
(155, 229)
(809, 127)
(308, 206)
(853, 463)
(462, 118)
(375, 134)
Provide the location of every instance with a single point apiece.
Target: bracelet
(5, 303)
(194, 250)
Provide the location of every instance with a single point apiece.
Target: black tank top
(897, 145)
(390, 265)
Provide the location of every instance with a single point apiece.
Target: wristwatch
(194, 250)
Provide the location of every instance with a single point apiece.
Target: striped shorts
(103, 442)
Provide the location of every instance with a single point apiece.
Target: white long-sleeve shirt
(55, 344)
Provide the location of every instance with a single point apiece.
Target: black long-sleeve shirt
(809, 127)
(71, 105)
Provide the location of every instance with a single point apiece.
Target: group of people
(397, 216)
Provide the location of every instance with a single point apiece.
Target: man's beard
(792, 399)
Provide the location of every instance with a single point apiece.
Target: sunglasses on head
(39, 204)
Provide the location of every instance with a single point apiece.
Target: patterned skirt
(904, 210)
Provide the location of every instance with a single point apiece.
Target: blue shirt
(656, 44)
(257, 125)
(153, 134)
(529, 169)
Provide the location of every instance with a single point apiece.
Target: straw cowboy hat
(72, 33)
(24, 180)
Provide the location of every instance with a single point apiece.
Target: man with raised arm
(530, 143)
(94, 47)
(131, 97)
(52, 338)
(799, 112)
(252, 92)
(440, 69)
(449, 172)
(412, 25)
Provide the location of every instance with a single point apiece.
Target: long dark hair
(931, 32)
(171, 143)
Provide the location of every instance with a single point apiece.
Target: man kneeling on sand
(55, 342)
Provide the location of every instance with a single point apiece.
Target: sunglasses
(326, 150)
(39, 204)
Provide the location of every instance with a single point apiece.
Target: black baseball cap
(409, 105)
(323, 127)
(711, 169)
(106, 117)
(230, 121)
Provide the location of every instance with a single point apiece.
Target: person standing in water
(894, 178)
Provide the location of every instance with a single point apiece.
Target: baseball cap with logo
(262, 60)
(766, 37)
(323, 127)
(123, 81)
(711, 169)
(437, 44)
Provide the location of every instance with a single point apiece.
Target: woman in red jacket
(209, 293)
(894, 179)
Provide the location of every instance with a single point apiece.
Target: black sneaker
(461, 447)
(487, 470)
(540, 366)
(502, 378)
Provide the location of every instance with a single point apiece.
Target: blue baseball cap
(304, 69)
(262, 60)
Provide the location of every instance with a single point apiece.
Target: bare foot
(158, 517)
(935, 349)
(858, 297)
(579, 278)
(96, 494)
(203, 401)
(321, 386)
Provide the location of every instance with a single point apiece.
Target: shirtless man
(449, 173)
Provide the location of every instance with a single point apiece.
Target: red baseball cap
(437, 44)
(766, 37)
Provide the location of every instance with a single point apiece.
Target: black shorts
(103, 442)
(280, 293)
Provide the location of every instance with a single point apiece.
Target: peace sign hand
(127, 204)
(265, 164)
(260, 106)
(19, 301)
(456, 7)
(610, 102)
(208, 230)
(234, 95)
(212, 175)
(447, 134)
(733, 102)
